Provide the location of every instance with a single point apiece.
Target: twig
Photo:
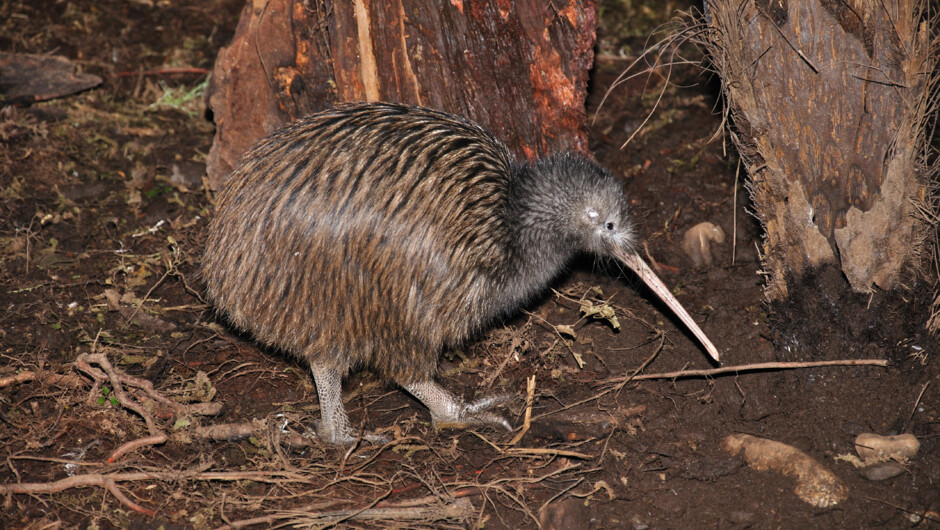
(53, 460)
(118, 380)
(434, 510)
(662, 342)
(527, 420)
(515, 342)
(545, 504)
(109, 481)
(597, 396)
(83, 363)
(97, 479)
(914, 408)
(520, 451)
(533, 451)
(268, 519)
(155, 439)
(170, 70)
(42, 376)
(794, 48)
(119, 495)
(227, 432)
(734, 212)
(143, 300)
(746, 368)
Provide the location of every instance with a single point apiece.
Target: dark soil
(102, 221)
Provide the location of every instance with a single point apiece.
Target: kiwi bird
(378, 234)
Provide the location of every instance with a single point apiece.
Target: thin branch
(50, 378)
(682, 374)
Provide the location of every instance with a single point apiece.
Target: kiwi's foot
(449, 411)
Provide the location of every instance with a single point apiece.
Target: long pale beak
(635, 262)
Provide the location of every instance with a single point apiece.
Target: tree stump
(518, 68)
(829, 102)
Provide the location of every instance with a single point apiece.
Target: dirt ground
(102, 221)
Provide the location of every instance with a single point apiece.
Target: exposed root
(49, 378)
(109, 481)
(83, 363)
(99, 369)
(432, 510)
(156, 439)
(228, 432)
(119, 495)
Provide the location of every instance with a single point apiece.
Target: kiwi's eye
(610, 226)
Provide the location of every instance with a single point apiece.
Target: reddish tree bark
(519, 68)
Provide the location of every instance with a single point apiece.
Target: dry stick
(928, 514)
(622, 381)
(520, 481)
(98, 479)
(381, 449)
(350, 514)
(83, 363)
(268, 519)
(28, 233)
(490, 379)
(44, 377)
(794, 48)
(197, 409)
(623, 79)
(527, 420)
(268, 477)
(734, 212)
(659, 49)
(171, 70)
(52, 459)
(746, 368)
(118, 379)
(119, 495)
(914, 408)
(227, 432)
(459, 509)
(650, 115)
(156, 439)
(531, 451)
(136, 382)
(559, 494)
(650, 359)
(560, 337)
(526, 451)
(143, 301)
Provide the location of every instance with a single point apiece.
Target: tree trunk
(829, 100)
(518, 68)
